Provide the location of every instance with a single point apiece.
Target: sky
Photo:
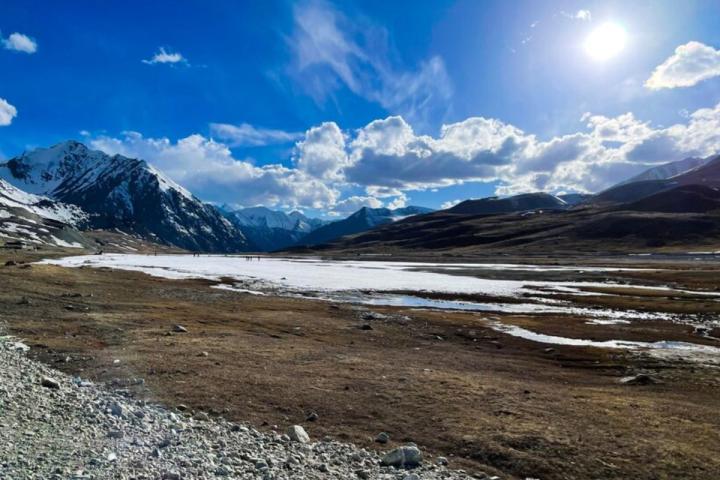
(329, 106)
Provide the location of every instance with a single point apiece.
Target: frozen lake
(372, 283)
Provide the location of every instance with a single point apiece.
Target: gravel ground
(56, 427)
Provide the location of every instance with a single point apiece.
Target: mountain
(680, 217)
(39, 221)
(518, 203)
(682, 199)
(706, 173)
(364, 219)
(573, 199)
(272, 230)
(123, 193)
(668, 170)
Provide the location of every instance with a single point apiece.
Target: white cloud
(388, 159)
(353, 204)
(209, 170)
(322, 152)
(164, 56)
(331, 51)
(449, 204)
(19, 43)
(689, 65)
(584, 15)
(246, 135)
(7, 113)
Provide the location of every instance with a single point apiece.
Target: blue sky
(329, 106)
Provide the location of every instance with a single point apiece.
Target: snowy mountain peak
(124, 193)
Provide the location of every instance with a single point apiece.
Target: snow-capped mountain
(124, 193)
(364, 219)
(668, 170)
(272, 230)
(38, 220)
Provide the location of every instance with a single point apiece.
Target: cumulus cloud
(330, 51)
(208, 169)
(246, 135)
(449, 204)
(388, 159)
(7, 113)
(689, 65)
(165, 56)
(353, 204)
(322, 152)
(20, 43)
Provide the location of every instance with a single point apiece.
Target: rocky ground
(53, 426)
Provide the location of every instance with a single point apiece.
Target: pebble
(382, 438)
(179, 329)
(49, 382)
(407, 456)
(298, 434)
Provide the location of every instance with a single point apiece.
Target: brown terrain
(487, 401)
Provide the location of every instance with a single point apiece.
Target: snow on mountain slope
(38, 220)
(124, 193)
(668, 170)
(12, 197)
(272, 230)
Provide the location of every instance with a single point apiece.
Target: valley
(271, 340)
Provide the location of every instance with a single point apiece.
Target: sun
(605, 42)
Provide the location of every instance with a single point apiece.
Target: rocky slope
(56, 427)
(123, 193)
(39, 221)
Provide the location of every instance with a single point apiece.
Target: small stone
(112, 456)
(363, 474)
(298, 434)
(203, 354)
(365, 326)
(202, 416)
(382, 438)
(442, 461)
(324, 468)
(312, 416)
(549, 350)
(179, 329)
(639, 379)
(182, 407)
(48, 382)
(116, 409)
(407, 456)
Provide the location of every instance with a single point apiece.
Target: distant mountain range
(364, 219)
(271, 230)
(71, 196)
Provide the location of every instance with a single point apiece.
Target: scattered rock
(442, 461)
(298, 434)
(179, 329)
(640, 379)
(407, 456)
(382, 438)
(312, 416)
(48, 382)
